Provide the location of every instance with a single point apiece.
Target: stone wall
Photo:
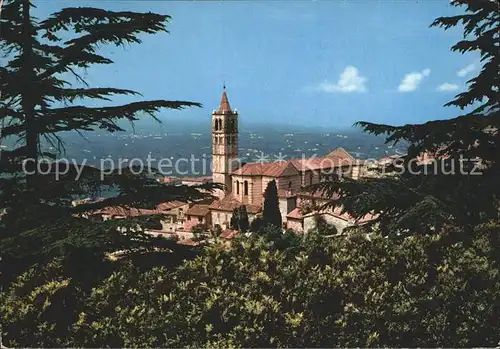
(295, 224)
(287, 205)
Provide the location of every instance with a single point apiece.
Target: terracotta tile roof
(321, 163)
(125, 211)
(188, 242)
(164, 206)
(196, 179)
(337, 212)
(229, 203)
(269, 169)
(198, 210)
(224, 103)
(295, 214)
(228, 234)
(336, 158)
(341, 153)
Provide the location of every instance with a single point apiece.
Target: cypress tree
(239, 219)
(243, 223)
(233, 223)
(271, 214)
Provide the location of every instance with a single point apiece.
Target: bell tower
(224, 142)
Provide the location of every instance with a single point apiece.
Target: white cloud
(349, 81)
(447, 87)
(411, 80)
(466, 70)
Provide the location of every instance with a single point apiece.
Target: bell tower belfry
(224, 143)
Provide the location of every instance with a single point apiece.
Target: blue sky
(314, 63)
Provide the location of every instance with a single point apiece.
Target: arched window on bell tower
(237, 187)
(245, 188)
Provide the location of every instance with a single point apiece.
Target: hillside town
(245, 184)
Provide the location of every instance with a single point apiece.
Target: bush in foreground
(324, 292)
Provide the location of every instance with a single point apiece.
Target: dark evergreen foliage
(271, 214)
(43, 92)
(256, 224)
(312, 292)
(409, 203)
(239, 219)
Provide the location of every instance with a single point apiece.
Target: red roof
(165, 206)
(224, 107)
(228, 234)
(347, 217)
(125, 211)
(198, 210)
(337, 158)
(229, 203)
(269, 169)
(341, 153)
(196, 179)
(321, 163)
(295, 214)
(188, 242)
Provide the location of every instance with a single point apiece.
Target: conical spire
(224, 103)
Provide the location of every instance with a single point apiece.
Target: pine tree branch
(103, 27)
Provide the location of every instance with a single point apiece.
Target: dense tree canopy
(324, 292)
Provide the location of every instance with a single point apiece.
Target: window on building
(245, 187)
(310, 178)
(290, 185)
(237, 187)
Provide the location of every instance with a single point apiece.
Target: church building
(245, 184)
